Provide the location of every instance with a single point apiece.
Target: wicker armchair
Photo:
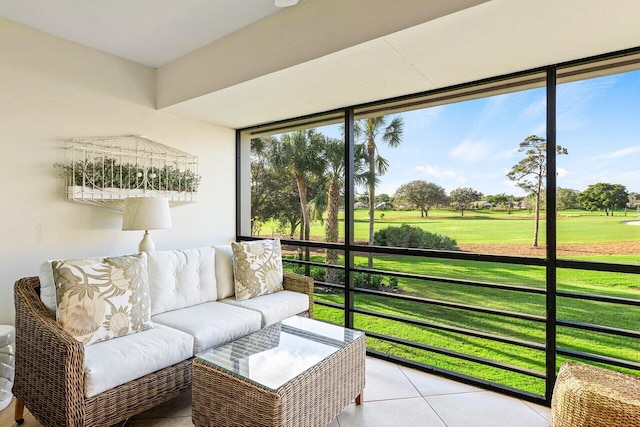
(49, 369)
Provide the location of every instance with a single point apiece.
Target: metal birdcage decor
(104, 171)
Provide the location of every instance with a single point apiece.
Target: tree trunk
(302, 192)
(371, 151)
(537, 219)
(331, 230)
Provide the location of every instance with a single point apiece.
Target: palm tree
(329, 201)
(299, 153)
(371, 129)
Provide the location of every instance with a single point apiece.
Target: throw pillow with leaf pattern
(257, 268)
(98, 301)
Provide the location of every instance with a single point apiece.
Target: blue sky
(475, 143)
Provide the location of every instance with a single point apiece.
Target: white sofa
(193, 308)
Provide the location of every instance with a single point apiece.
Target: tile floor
(394, 396)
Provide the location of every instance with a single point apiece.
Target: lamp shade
(146, 213)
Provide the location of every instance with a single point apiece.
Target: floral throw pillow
(101, 300)
(257, 268)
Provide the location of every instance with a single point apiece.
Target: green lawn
(486, 226)
(489, 227)
(615, 284)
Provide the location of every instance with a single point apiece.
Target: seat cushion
(111, 363)
(274, 307)
(181, 278)
(211, 323)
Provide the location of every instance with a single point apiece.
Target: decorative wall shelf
(106, 170)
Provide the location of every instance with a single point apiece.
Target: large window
(427, 221)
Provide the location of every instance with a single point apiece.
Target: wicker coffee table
(299, 372)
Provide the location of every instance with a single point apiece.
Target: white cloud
(437, 172)
(507, 154)
(421, 118)
(560, 172)
(535, 109)
(575, 98)
(471, 151)
(624, 152)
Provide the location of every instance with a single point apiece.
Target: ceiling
(150, 32)
(489, 39)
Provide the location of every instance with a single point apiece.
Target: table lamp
(146, 213)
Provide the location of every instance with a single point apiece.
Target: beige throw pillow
(257, 268)
(98, 301)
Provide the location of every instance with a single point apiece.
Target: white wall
(51, 90)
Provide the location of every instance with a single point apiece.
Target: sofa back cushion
(181, 278)
(224, 271)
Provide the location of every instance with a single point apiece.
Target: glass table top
(278, 353)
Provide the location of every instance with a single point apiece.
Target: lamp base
(146, 244)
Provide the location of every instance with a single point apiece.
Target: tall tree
(329, 201)
(604, 196)
(298, 153)
(501, 201)
(461, 198)
(333, 154)
(530, 172)
(423, 194)
(566, 198)
(371, 130)
(274, 195)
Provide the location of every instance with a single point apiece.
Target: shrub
(407, 236)
(106, 172)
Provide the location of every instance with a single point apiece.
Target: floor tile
(385, 380)
(334, 423)
(392, 397)
(432, 385)
(484, 409)
(545, 411)
(393, 413)
(7, 417)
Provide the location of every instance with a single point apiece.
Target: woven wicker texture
(313, 398)
(49, 376)
(298, 283)
(49, 368)
(589, 396)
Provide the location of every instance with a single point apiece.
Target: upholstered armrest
(298, 283)
(49, 374)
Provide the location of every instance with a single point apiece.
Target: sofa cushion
(274, 307)
(181, 278)
(257, 268)
(224, 271)
(115, 362)
(103, 300)
(211, 323)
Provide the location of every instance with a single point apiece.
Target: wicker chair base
(314, 398)
(589, 396)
